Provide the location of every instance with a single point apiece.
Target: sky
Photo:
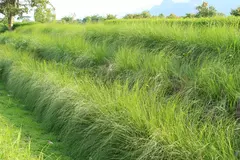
(83, 8)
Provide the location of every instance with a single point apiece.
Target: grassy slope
(100, 42)
(21, 137)
(201, 63)
(182, 109)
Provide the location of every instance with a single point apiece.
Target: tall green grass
(10, 144)
(71, 39)
(197, 22)
(123, 121)
(140, 91)
(182, 60)
(13, 143)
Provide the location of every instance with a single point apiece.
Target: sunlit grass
(21, 137)
(196, 22)
(10, 143)
(142, 91)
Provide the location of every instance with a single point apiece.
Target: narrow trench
(42, 144)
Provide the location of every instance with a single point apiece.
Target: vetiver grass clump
(200, 63)
(130, 92)
(100, 121)
(61, 41)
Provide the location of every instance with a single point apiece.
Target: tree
(235, 12)
(67, 19)
(110, 17)
(87, 19)
(79, 20)
(97, 18)
(145, 14)
(189, 15)
(221, 14)
(3, 20)
(44, 14)
(11, 8)
(128, 16)
(172, 16)
(137, 16)
(206, 11)
(161, 15)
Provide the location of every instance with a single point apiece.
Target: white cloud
(181, 1)
(102, 7)
(188, 1)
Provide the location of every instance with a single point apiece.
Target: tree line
(203, 10)
(44, 12)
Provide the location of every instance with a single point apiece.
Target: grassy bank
(159, 105)
(198, 63)
(77, 40)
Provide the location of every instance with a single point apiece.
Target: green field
(130, 90)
